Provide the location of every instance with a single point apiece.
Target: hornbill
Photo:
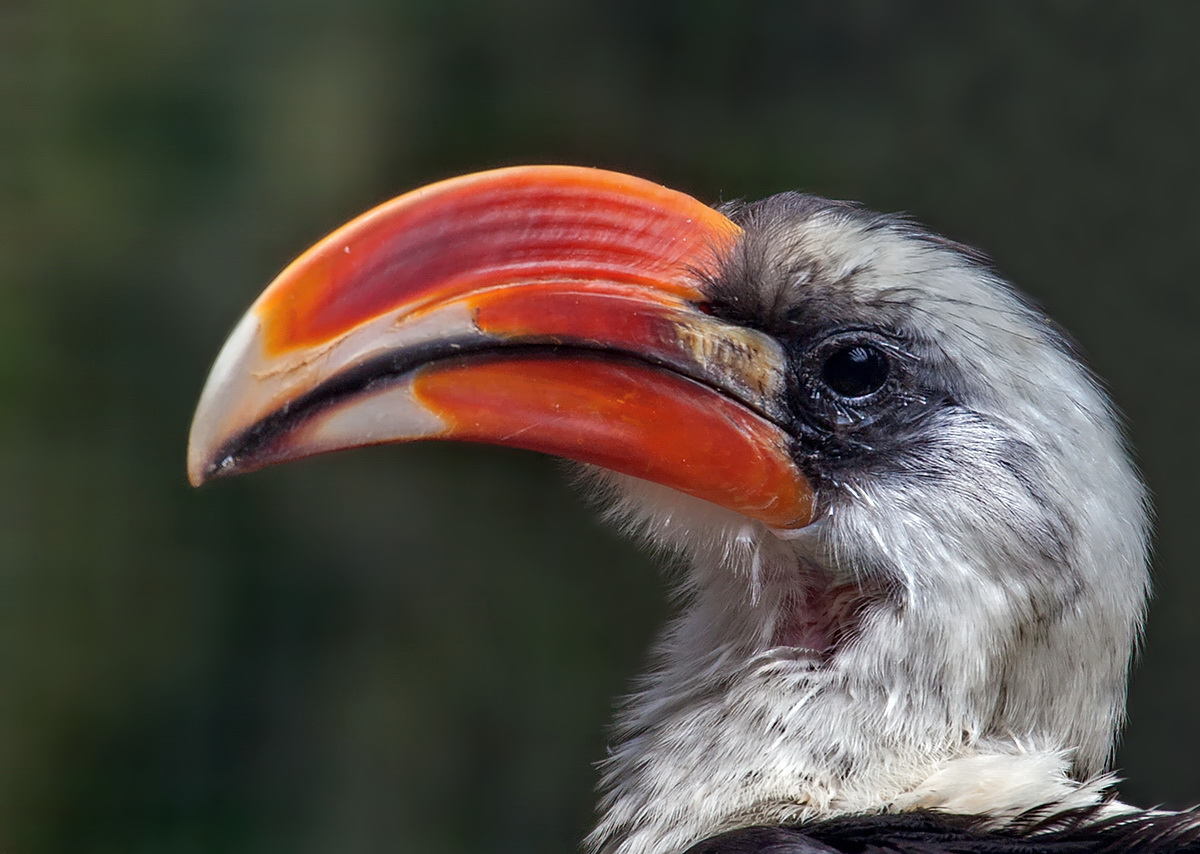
(916, 545)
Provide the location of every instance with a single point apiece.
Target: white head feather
(955, 630)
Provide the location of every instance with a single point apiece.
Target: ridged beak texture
(552, 308)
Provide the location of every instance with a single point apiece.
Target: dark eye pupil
(855, 371)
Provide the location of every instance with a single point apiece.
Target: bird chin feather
(671, 522)
(779, 577)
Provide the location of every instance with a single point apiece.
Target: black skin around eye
(855, 370)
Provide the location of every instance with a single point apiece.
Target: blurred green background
(415, 649)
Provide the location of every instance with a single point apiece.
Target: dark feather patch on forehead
(783, 277)
(760, 281)
(792, 274)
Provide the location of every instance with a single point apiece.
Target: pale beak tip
(219, 412)
(200, 469)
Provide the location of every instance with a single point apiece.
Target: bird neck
(785, 692)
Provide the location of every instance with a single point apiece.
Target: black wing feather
(1064, 832)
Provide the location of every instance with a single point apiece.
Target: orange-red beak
(551, 308)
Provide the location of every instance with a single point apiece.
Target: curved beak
(552, 308)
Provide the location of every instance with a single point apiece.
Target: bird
(914, 545)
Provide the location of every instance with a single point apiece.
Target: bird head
(911, 532)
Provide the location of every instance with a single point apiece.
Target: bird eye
(855, 370)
